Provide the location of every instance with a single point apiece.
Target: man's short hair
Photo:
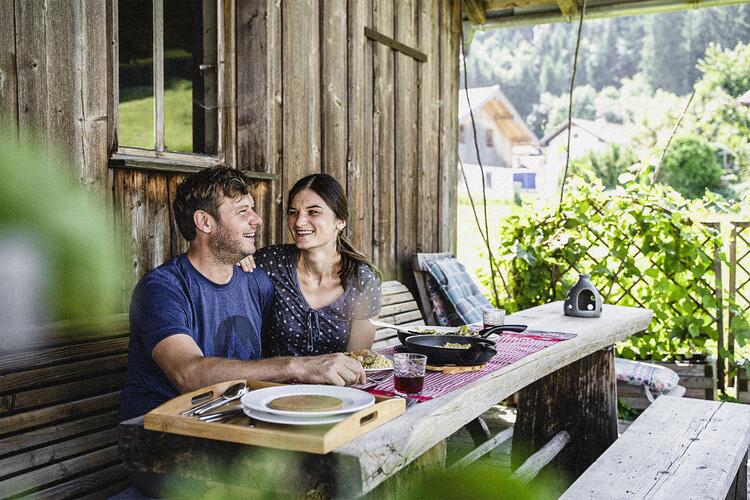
(203, 191)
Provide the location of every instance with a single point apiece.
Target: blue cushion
(459, 289)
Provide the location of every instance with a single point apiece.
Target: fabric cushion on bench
(459, 289)
(443, 311)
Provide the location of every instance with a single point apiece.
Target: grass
(136, 117)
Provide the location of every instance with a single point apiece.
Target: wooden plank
(392, 309)
(429, 127)
(55, 432)
(62, 373)
(450, 26)
(359, 161)
(177, 243)
(227, 89)
(334, 92)
(682, 445)
(396, 298)
(57, 413)
(407, 149)
(131, 210)
(103, 483)
(274, 217)
(158, 243)
(300, 91)
(113, 75)
(32, 480)
(23, 400)
(252, 122)
(158, 43)
(476, 10)
(57, 355)
(536, 462)
(364, 463)
(31, 68)
(384, 143)
(395, 45)
(8, 79)
(58, 451)
(92, 73)
(389, 287)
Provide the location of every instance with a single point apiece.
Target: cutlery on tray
(232, 393)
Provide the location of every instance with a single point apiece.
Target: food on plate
(306, 402)
(370, 360)
(455, 345)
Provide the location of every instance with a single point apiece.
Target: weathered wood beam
(512, 4)
(476, 10)
(484, 448)
(536, 462)
(541, 15)
(395, 45)
(569, 8)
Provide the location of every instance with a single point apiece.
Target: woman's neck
(319, 264)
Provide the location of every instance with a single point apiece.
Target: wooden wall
(326, 98)
(312, 94)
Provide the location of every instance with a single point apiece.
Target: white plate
(288, 420)
(353, 399)
(378, 370)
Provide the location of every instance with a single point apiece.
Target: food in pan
(370, 359)
(462, 330)
(455, 345)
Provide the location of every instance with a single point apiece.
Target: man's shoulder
(260, 278)
(172, 272)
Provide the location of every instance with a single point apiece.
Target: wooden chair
(59, 400)
(419, 266)
(398, 307)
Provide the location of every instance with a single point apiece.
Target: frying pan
(403, 334)
(481, 350)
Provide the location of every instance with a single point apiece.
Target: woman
(326, 291)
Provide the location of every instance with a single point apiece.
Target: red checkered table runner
(510, 348)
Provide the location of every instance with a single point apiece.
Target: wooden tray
(312, 439)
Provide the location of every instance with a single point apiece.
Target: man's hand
(247, 264)
(336, 369)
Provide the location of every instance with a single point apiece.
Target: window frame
(158, 158)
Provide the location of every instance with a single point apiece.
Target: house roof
(492, 101)
(611, 133)
(745, 98)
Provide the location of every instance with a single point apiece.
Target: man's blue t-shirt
(224, 320)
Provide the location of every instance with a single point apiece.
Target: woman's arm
(361, 335)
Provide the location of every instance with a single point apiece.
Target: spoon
(388, 325)
(233, 392)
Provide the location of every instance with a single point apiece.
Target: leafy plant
(643, 247)
(606, 166)
(690, 166)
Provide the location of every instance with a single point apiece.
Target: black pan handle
(502, 328)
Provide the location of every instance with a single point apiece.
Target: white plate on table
(352, 400)
(289, 420)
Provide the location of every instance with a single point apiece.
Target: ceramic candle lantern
(583, 299)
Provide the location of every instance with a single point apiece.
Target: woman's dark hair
(203, 191)
(333, 195)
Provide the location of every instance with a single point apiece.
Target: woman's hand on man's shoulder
(247, 264)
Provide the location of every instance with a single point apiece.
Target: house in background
(504, 142)
(586, 136)
(745, 98)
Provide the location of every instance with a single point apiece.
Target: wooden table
(567, 386)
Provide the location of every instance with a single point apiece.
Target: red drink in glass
(408, 385)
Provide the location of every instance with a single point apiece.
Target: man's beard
(225, 249)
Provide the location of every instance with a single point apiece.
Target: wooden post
(580, 399)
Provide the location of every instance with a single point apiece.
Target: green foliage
(606, 166)
(690, 166)
(642, 246)
(726, 69)
(42, 204)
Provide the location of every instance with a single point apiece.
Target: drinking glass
(493, 317)
(408, 373)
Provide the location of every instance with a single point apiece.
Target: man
(197, 319)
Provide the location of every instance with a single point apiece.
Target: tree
(690, 166)
(665, 60)
(606, 166)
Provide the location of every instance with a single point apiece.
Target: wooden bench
(59, 399)
(678, 448)
(398, 307)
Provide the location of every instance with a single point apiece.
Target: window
(169, 77)
(461, 133)
(489, 138)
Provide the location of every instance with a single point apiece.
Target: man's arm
(182, 361)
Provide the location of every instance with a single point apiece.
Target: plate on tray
(349, 399)
(272, 418)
